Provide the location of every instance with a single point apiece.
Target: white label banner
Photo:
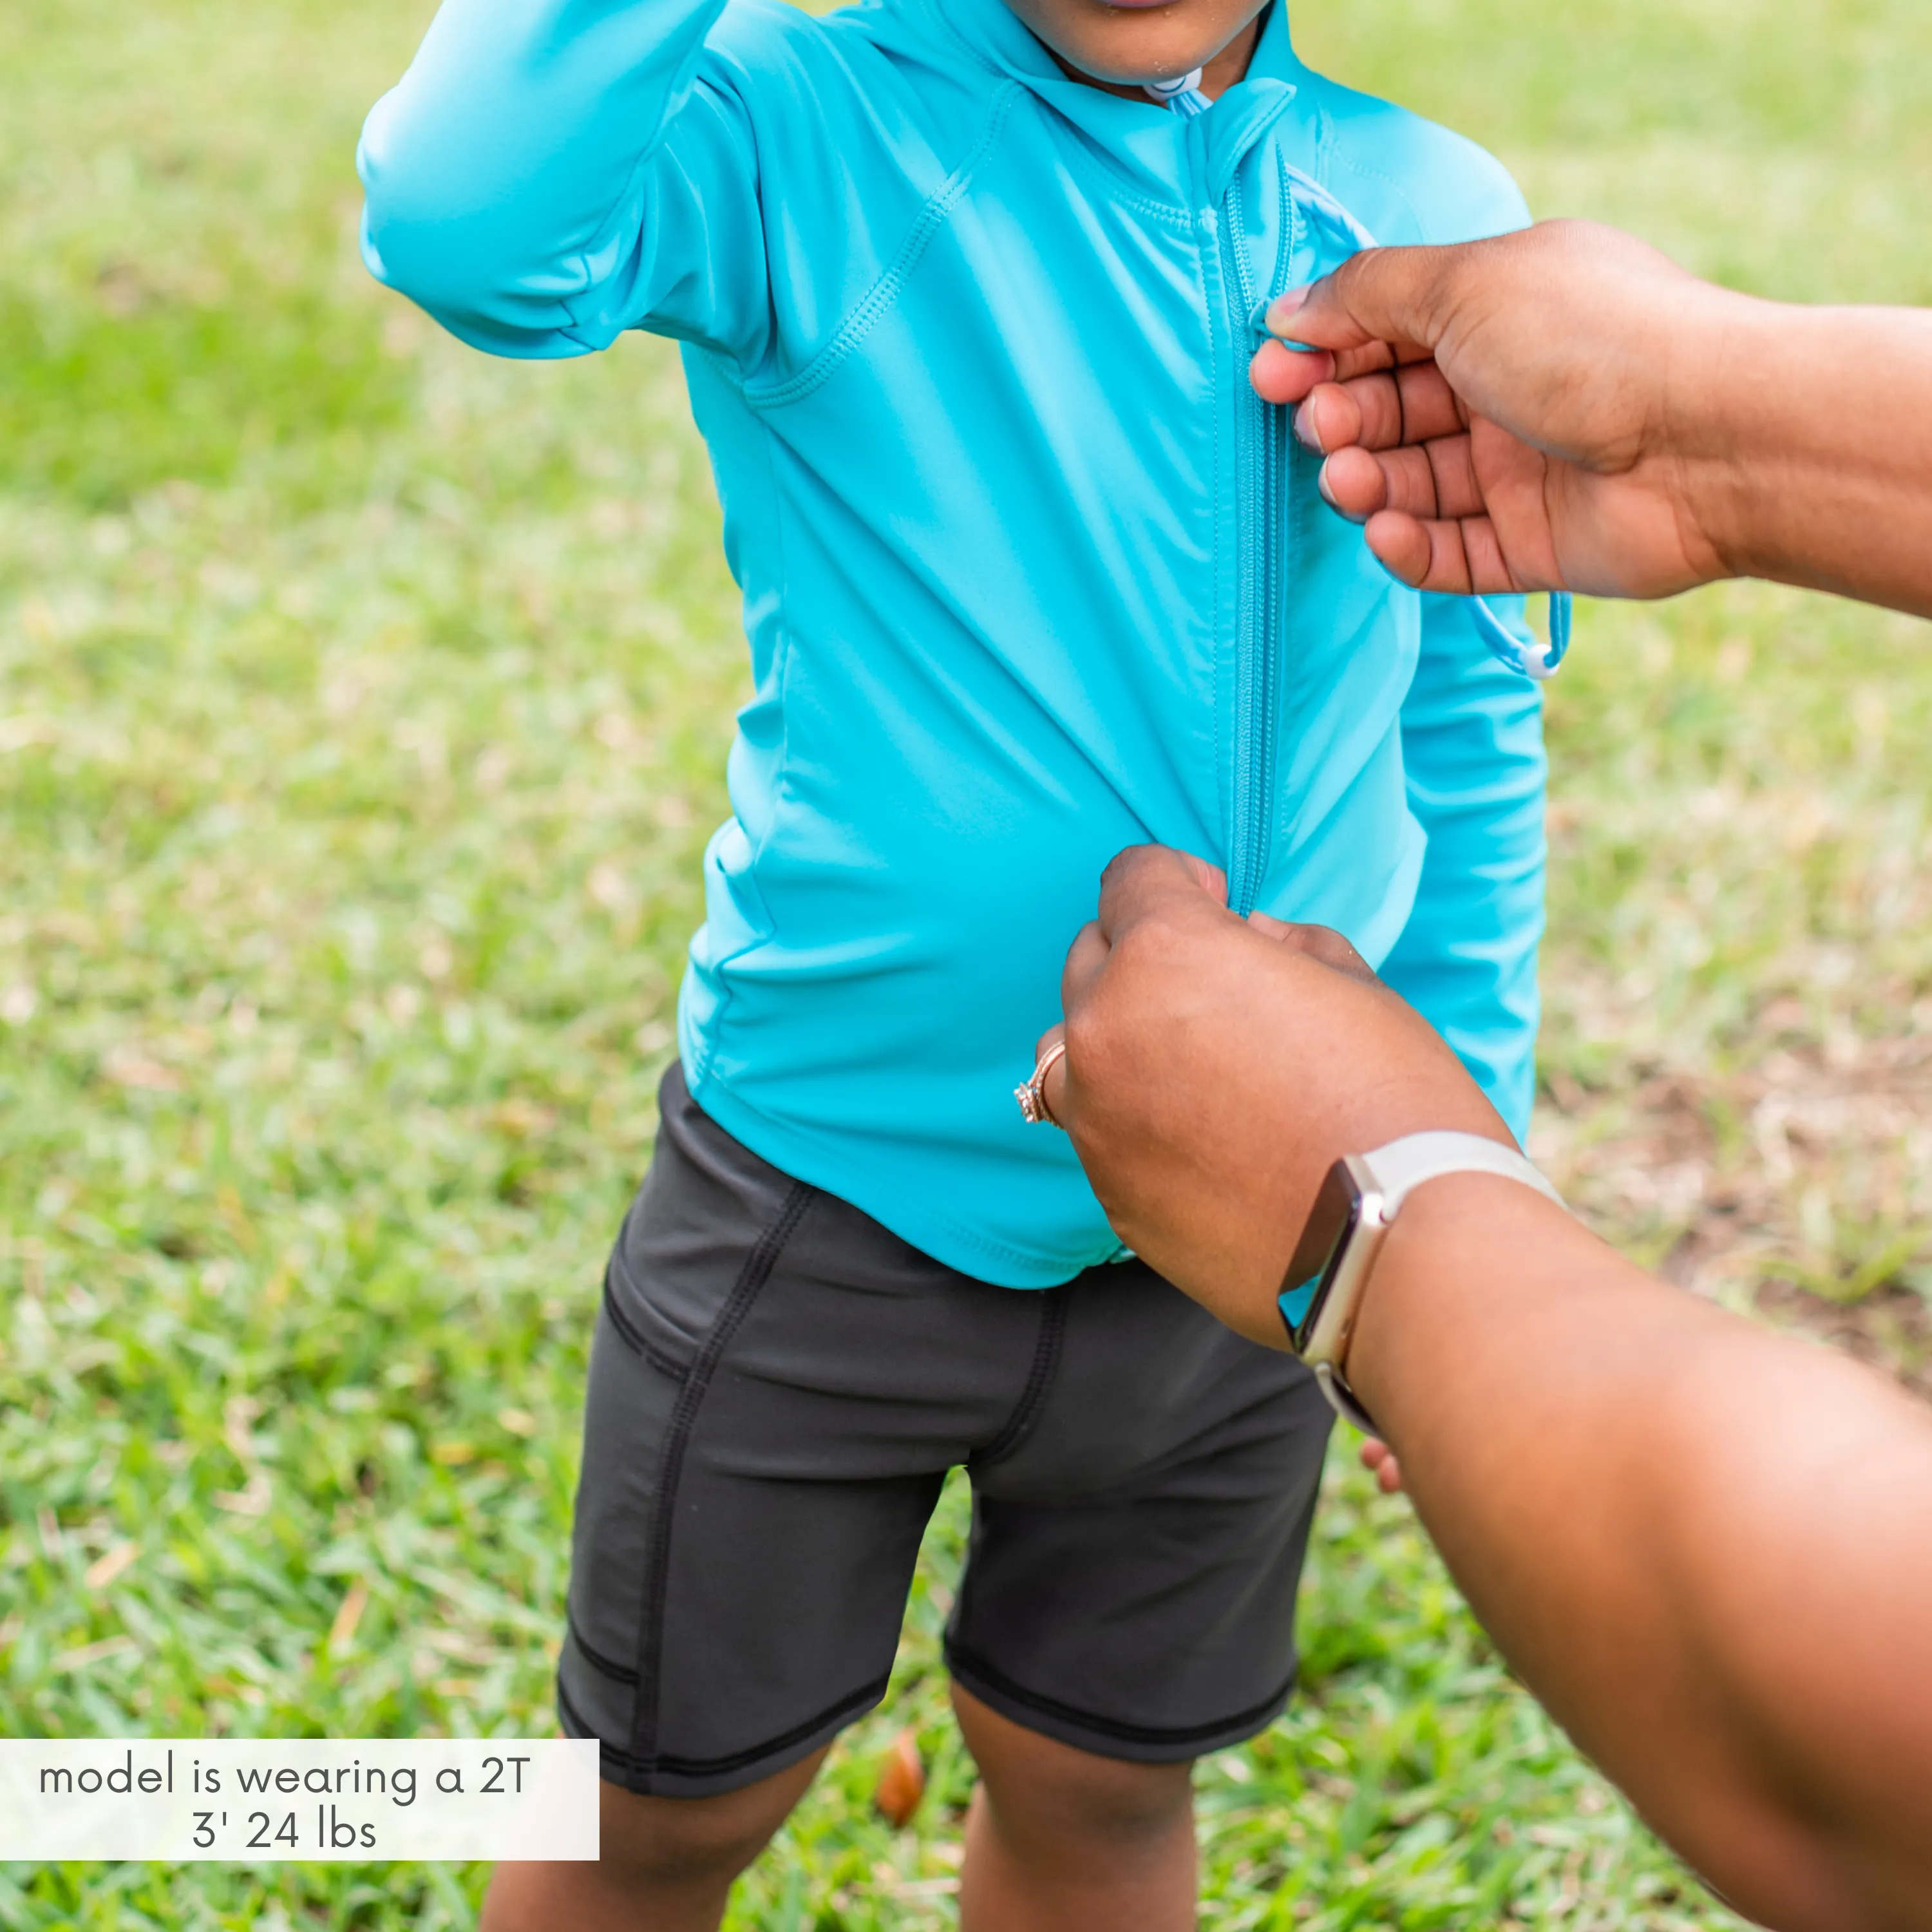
(245, 1801)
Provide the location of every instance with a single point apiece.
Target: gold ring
(1032, 1097)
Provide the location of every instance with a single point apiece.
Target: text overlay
(244, 1801)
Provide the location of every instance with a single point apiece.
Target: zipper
(1263, 454)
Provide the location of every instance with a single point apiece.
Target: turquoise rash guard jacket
(1029, 573)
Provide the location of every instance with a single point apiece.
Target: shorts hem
(1107, 1737)
(668, 1775)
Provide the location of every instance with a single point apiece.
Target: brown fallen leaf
(103, 1570)
(348, 1615)
(94, 1653)
(901, 1781)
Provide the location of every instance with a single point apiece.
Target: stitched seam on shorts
(605, 1667)
(1039, 1380)
(633, 1339)
(959, 1659)
(862, 1700)
(751, 1277)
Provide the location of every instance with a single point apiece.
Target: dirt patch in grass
(1797, 1183)
(1891, 1328)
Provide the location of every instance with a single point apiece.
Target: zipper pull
(1182, 94)
(1164, 91)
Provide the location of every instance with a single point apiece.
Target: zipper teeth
(1260, 594)
(1271, 534)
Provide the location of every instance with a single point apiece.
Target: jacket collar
(1174, 157)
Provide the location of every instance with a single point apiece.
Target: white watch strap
(1403, 1165)
(1397, 1170)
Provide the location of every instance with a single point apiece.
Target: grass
(362, 710)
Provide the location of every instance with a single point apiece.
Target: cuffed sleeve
(549, 173)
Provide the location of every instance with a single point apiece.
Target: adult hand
(1504, 416)
(1216, 1067)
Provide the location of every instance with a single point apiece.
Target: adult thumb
(1391, 296)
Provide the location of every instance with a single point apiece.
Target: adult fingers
(1414, 403)
(1400, 544)
(1448, 560)
(1332, 949)
(1452, 471)
(1437, 480)
(1489, 569)
(1379, 1457)
(1281, 374)
(1321, 942)
(1358, 484)
(1053, 1088)
(1284, 375)
(1079, 981)
(1086, 959)
(1393, 296)
(1463, 557)
(1145, 880)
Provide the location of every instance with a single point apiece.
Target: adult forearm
(1612, 1470)
(1708, 1548)
(1807, 436)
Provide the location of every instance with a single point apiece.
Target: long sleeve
(1472, 743)
(551, 172)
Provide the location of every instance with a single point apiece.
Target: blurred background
(363, 705)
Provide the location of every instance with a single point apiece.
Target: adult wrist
(1712, 435)
(1461, 1248)
(1742, 414)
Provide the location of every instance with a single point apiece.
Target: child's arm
(551, 172)
(1472, 743)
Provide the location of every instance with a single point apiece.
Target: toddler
(966, 292)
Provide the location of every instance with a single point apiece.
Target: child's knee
(692, 1843)
(1048, 1799)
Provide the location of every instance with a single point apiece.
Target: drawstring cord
(1531, 659)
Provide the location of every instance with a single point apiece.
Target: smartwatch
(1357, 1202)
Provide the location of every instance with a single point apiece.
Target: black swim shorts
(778, 1388)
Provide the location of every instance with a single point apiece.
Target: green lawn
(362, 709)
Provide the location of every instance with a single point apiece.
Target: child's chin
(1126, 43)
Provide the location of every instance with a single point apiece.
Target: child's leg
(1060, 1840)
(778, 1387)
(667, 1863)
(1128, 1601)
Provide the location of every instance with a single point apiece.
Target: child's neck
(1217, 75)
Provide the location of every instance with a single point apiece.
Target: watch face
(1338, 1207)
